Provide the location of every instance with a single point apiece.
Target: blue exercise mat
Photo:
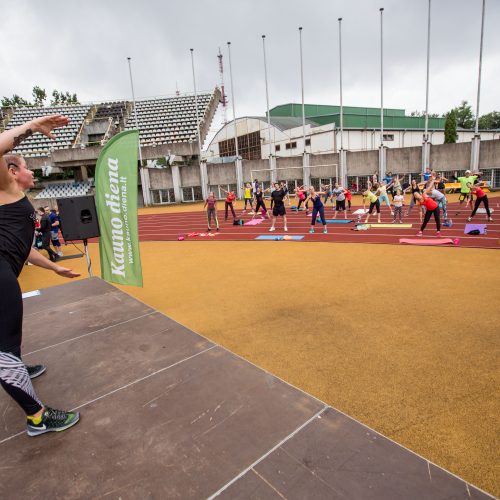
(278, 237)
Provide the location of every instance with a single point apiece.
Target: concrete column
(426, 154)
(306, 171)
(474, 153)
(84, 173)
(272, 167)
(204, 179)
(176, 179)
(239, 177)
(146, 194)
(343, 167)
(381, 162)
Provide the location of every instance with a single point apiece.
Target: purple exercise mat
(470, 227)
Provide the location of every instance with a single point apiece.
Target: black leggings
(321, 212)
(229, 205)
(249, 202)
(478, 201)
(300, 203)
(14, 377)
(46, 247)
(376, 205)
(260, 204)
(427, 218)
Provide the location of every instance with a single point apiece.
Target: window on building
(277, 147)
(249, 147)
(291, 145)
(308, 142)
(388, 137)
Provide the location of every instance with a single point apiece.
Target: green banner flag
(116, 202)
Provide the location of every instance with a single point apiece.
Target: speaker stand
(89, 263)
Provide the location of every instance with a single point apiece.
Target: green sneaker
(52, 421)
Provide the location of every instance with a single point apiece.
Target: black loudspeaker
(78, 218)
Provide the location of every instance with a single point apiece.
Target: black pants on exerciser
(46, 246)
(478, 201)
(427, 218)
(14, 377)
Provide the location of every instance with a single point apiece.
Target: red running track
(168, 227)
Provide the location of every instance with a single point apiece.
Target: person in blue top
(54, 231)
(318, 208)
(427, 174)
(388, 182)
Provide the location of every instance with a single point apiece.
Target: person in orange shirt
(348, 197)
(431, 208)
(481, 197)
(230, 199)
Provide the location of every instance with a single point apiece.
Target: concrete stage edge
(168, 414)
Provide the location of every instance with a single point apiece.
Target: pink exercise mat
(434, 241)
(253, 222)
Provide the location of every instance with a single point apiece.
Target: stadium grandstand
(167, 128)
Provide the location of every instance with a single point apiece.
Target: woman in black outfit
(413, 188)
(17, 226)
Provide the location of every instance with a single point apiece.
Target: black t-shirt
(277, 197)
(17, 227)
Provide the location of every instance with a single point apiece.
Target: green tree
(39, 96)
(14, 101)
(464, 115)
(56, 98)
(490, 121)
(450, 128)
(61, 98)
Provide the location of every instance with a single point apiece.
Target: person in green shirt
(465, 191)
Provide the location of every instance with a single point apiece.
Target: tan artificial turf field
(404, 339)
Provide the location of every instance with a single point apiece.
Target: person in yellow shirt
(372, 197)
(248, 197)
(465, 191)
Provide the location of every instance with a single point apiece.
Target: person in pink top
(480, 198)
(211, 204)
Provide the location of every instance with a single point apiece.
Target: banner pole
(87, 255)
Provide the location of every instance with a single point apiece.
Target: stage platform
(165, 413)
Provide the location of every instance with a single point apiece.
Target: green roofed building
(285, 136)
(356, 117)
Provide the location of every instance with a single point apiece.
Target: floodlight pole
(203, 167)
(143, 172)
(272, 164)
(476, 141)
(342, 153)
(239, 170)
(426, 144)
(305, 157)
(381, 148)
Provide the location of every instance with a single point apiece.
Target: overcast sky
(82, 47)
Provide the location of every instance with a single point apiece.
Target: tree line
(39, 96)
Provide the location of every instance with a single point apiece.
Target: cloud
(82, 47)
